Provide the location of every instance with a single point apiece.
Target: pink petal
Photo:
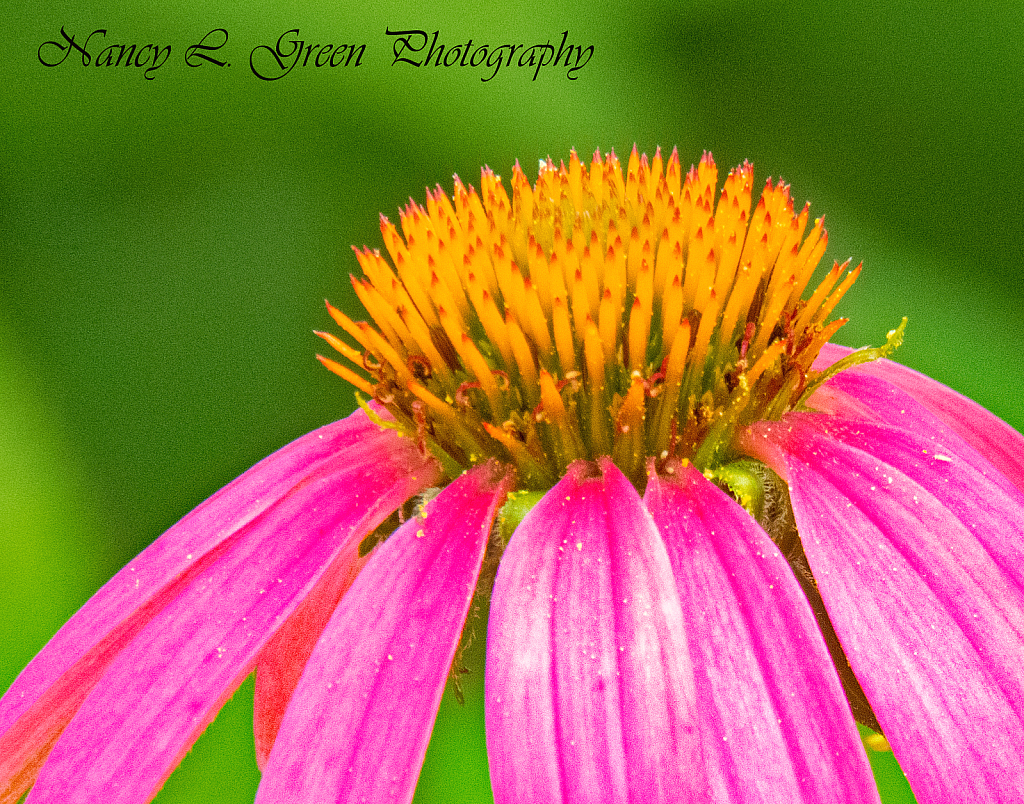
(163, 643)
(862, 396)
(284, 657)
(358, 724)
(589, 688)
(775, 724)
(920, 562)
(991, 436)
(50, 689)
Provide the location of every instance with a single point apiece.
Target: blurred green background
(168, 243)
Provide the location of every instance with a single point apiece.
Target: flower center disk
(591, 314)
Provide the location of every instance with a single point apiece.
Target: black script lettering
(198, 53)
(66, 49)
(110, 56)
(590, 54)
(157, 60)
(449, 57)
(352, 50)
(420, 49)
(457, 53)
(294, 48)
(579, 49)
(494, 60)
(431, 52)
(482, 50)
(326, 53)
(106, 56)
(404, 43)
(278, 55)
(537, 58)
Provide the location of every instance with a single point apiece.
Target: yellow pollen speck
(877, 742)
(593, 313)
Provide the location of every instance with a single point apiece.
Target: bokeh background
(167, 244)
